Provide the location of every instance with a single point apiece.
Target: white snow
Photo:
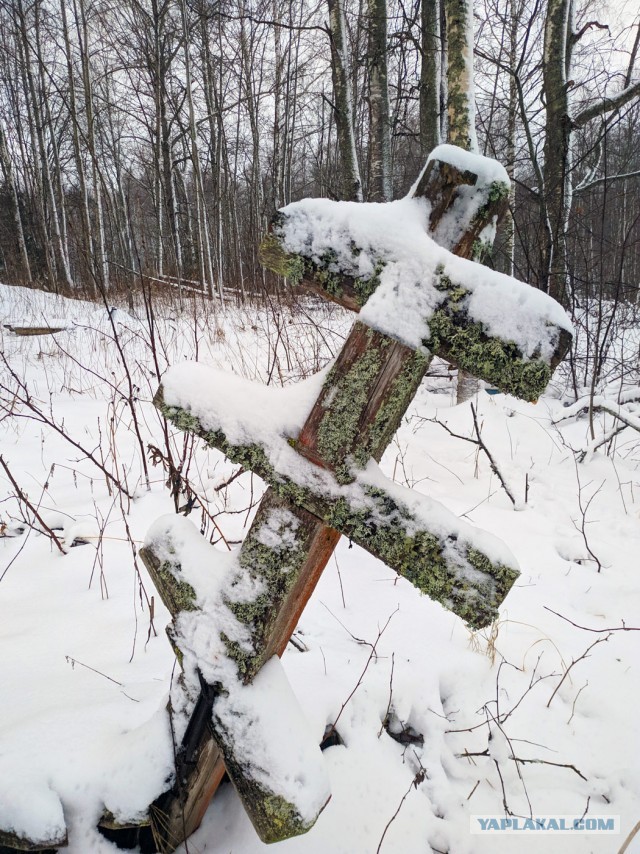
(273, 739)
(394, 235)
(487, 169)
(70, 736)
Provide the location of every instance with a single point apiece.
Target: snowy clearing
(86, 673)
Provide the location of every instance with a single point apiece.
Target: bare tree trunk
(343, 103)
(101, 264)
(460, 89)
(203, 244)
(87, 237)
(512, 112)
(558, 46)
(430, 75)
(380, 184)
(216, 147)
(7, 170)
(461, 112)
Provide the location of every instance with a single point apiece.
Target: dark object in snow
(10, 843)
(34, 330)
(401, 732)
(332, 738)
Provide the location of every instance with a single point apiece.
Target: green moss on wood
(348, 393)
(501, 363)
(389, 415)
(176, 593)
(273, 817)
(481, 250)
(275, 570)
(272, 256)
(468, 346)
(385, 528)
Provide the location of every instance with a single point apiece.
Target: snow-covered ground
(85, 675)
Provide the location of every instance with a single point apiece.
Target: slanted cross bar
(416, 298)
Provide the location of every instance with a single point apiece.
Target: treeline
(158, 136)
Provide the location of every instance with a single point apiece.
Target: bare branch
(608, 630)
(606, 105)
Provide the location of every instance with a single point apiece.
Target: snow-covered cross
(405, 267)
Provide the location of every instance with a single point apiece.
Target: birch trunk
(7, 170)
(430, 76)
(343, 104)
(460, 89)
(558, 47)
(87, 248)
(461, 111)
(101, 264)
(380, 188)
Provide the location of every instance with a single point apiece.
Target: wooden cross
(322, 483)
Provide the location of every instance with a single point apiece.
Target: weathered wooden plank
(446, 188)
(34, 330)
(444, 564)
(362, 402)
(463, 210)
(231, 707)
(455, 336)
(11, 842)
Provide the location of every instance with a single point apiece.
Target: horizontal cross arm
(414, 535)
(495, 328)
(405, 266)
(11, 841)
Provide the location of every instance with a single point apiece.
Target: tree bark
(380, 184)
(430, 75)
(5, 161)
(557, 144)
(343, 104)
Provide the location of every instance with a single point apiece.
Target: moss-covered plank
(464, 208)
(362, 402)
(454, 335)
(12, 842)
(284, 578)
(271, 755)
(452, 222)
(283, 554)
(447, 567)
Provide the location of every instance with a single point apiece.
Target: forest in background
(157, 137)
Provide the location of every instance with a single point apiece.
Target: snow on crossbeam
(466, 570)
(31, 817)
(392, 263)
(219, 604)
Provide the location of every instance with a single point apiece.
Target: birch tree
(343, 103)
(560, 40)
(431, 55)
(380, 183)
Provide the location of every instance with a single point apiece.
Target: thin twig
(584, 655)
(381, 631)
(417, 780)
(608, 630)
(492, 462)
(21, 496)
